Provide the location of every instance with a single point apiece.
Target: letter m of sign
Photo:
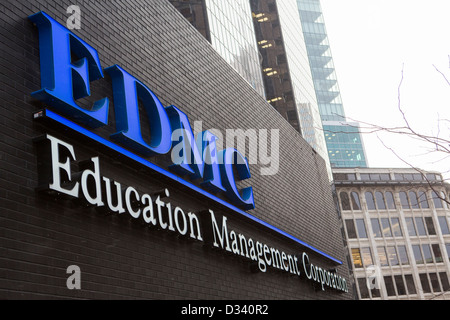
(199, 158)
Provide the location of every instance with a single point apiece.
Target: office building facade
(228, 26)
(396, 222)
(288, 81)
(282, 58)
(344, 142)
(97, 201)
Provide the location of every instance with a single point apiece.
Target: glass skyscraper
(344, 142)
(263, 41)
(228, 26)
(303, 86)
(287, 76)
(233, 36)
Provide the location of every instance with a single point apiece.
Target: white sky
(371, 41)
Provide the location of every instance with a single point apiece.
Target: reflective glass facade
(344, 145)
(264, 42)
(276, 73)
(321, 61)
(232, 35)
(228, 26)
(287, 76)
(302, 84)
(194, 11)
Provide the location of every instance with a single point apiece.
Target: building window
(436, 200)
(433, 177)
(389, 283)
(427, 253)
(404, 200)
(355, 201)
(340, 176)
(408, 176)
(417, 254)
(362, 257)
(435, 282)
(410, 284)
(424, 282)
(447, 247)
(396, 229)
(386, 227)
(345, 201)
(382, 256)
(403, 255)
(356, 255)
(390, 200)
(444, 225)
(444, 281)
(444, 200)
(363, 289)
(351, 231)
(401, 290)
(376, 229)
(366, 256)
(380, 201)
(370, 201)
(410, 227)
(431, 281)
(413, 199)
(423, 201)
(430, 226)
(420, 226)
(361, 227)
(375, 292)
(437, 253)
(375, 177)
(392, 256)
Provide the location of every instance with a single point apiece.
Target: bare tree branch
(437, 142)
(442, 74)
(431, 184)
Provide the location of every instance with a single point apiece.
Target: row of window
(391, 227)
(387, 177)
(403, 283)
(424, 254)
(390, 255)
(430, 281)
(398, 255)
(400, 285)
(385, 201)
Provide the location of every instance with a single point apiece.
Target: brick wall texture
(41, 236)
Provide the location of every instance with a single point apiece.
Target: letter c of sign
(231, 158)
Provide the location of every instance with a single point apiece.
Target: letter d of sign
(62, 80)
(127, 90)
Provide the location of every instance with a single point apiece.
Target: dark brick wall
(41, 236)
